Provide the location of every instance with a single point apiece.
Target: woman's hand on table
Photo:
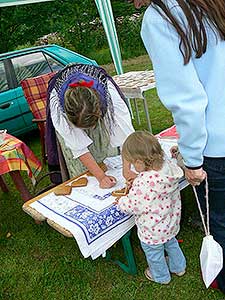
(107, 182)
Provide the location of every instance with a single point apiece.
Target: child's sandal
(149, 277)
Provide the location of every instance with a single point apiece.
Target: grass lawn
(36, 262)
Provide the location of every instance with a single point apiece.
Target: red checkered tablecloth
(16, 155)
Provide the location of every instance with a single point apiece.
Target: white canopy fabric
(105, 11)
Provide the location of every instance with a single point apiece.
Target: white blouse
(76, 138)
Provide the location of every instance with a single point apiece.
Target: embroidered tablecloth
(89, 214)
(16, 155)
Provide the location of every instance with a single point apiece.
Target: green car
(15, 115)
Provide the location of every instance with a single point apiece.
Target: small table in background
(134, 85)
(16, 156)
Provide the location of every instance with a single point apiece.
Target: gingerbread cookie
(63, 190)
(119, 193)
(80, 182)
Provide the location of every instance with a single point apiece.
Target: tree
(77, 22)
(26, 23)
(22, 24)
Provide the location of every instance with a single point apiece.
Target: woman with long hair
(89, 115)
(185, 41)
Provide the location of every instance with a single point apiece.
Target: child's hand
(129, 175)
(129, 183)
(116, 201)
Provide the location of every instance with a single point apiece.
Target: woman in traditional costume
(90, 117)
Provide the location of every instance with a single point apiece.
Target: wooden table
(91, 243)
(42, 208)
(134, 85)
(16, 156)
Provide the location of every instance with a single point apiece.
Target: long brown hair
(198, 13)
(82, 106)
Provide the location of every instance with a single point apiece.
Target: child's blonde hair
(82, 106)
(143, 146)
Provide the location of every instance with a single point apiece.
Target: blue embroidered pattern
(102, 197)
(96, 223)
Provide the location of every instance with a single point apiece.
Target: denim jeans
(155, 255)
(215, 169)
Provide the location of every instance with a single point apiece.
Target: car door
(27, 66)
(10, 113)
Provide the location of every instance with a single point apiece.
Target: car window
(3, 80)
(54, 64)
(30, 65)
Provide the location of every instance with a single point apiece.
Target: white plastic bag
(211, 255)
(211, 259)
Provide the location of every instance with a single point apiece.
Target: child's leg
(176, 259)
(157, 262)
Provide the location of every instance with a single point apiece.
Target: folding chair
(35, 92)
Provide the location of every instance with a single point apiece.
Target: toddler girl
(154, 200)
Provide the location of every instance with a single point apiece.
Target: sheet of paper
(93, 196)
(114, 162)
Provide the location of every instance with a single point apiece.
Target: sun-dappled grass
(37, 262)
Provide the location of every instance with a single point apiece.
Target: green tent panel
(106, 14)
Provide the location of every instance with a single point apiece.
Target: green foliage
(129, 37)
(77, 25)
(27, 45)
(123, 8)
(22, 24)
(102, 56)
(26, 23)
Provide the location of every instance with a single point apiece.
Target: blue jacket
(194, 93)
